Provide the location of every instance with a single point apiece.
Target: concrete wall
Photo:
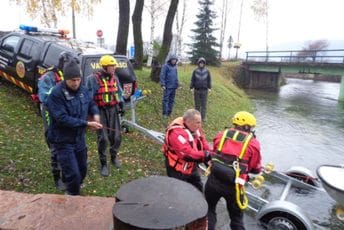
(264, 80)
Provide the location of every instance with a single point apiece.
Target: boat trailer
(277, 200)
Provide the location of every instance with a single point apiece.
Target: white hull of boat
(332, 178)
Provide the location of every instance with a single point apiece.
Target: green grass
(25, 158)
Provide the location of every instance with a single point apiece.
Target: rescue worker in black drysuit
(107, 93)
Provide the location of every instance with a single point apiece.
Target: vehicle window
(10, 43)
(26, 47)
(125, 70)
(35, 50)
(52, 55)
(30, 49)
(91, 65)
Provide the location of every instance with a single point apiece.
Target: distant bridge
(263, 69)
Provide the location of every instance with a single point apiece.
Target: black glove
(207, 155)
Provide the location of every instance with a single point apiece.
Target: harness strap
(235, 137)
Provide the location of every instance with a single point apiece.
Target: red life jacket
(58, 77)
(174, 161)
(232, 148)
(57, 73)
(107, 94)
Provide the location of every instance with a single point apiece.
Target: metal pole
(242, 3)
(267, 29)
(73, 19)
(286, 190)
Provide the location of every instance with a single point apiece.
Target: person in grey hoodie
(169, 83)
(200, 85)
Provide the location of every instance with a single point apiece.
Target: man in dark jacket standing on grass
(169, 83)
(69, 106)
(200, 85)
(45, 85)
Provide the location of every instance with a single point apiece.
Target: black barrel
(159, 202)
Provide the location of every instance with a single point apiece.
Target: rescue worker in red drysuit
(185, 146)
(236, 146)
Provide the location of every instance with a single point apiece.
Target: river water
(302, 124)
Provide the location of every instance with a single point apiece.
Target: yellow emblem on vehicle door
(20, 69)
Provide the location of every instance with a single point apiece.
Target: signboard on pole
(132, 52)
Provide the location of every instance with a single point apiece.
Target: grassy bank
(25, 158)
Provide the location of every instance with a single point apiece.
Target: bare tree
(261, 11)
(224, 14)
(123, 27)
(155, 9)
(137, 31)
(47, 10)
(312, 48)
(180, 26)
(166, 41)
(237, 44)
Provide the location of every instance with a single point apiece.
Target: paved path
(51, 211)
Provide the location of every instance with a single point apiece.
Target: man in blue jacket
(46, 83)
(169, 83)
(69, 106)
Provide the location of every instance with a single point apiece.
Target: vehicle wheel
(303, 178)
(283, 221)
(302, 175)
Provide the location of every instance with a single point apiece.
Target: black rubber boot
(104, 170)
(115, 162)
(60, 185)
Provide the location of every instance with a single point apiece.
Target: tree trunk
(123, 27)
(152, 11)
(166, 42)
(223, 25)
(137, 31)
(180, 27)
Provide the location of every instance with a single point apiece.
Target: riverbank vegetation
(25, 158)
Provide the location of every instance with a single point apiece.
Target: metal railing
(297, 56)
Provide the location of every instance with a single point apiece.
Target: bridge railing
(319, 56)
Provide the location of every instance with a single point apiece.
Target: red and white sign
(99, 33)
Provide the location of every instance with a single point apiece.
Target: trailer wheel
(303, 175)
(283, 221)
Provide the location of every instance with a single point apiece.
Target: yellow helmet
(243, 118)
(107, 60)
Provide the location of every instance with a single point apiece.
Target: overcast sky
(290, 21)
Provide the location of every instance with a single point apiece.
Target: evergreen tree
(204, 42)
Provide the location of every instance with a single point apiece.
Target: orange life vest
(107, 94)
(174, 161)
